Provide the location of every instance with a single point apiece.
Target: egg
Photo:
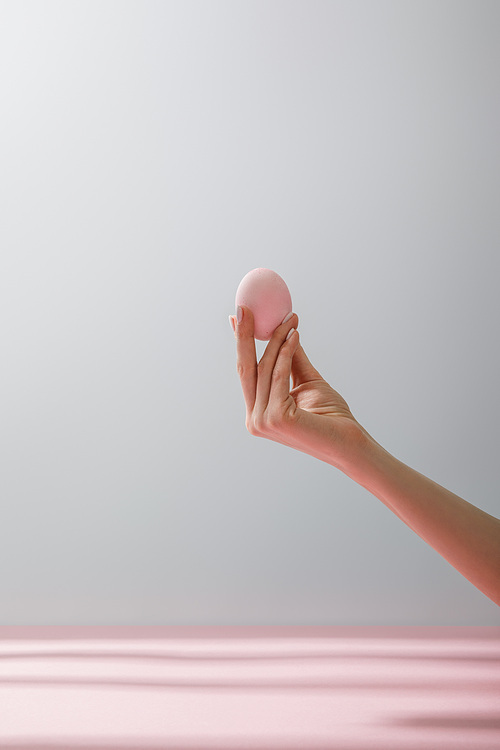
(268, 297)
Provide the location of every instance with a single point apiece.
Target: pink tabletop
(193, 688)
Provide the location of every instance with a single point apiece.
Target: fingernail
(290, 333)
(239, 314)
(231, 322)
(287, 318)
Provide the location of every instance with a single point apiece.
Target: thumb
(302, 369)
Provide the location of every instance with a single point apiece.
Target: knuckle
(277, 372)
(250, 425)
(241, 369)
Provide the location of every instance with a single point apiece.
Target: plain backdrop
(151, 154)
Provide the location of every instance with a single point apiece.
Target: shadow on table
(451, 721)
(244, 685)
(489, 658)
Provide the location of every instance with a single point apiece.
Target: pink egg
(267, 296)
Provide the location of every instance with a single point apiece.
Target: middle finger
(266, 365)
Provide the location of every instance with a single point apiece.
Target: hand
(315, 419)
(311, 417)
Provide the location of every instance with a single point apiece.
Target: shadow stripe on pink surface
(149, 655)
(245, 685)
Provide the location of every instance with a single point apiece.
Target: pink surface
(248, 688)
(268, 297)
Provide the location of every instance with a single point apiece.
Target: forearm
(466, 536)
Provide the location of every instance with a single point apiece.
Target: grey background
(151, 154)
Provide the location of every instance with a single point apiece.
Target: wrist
(366, 460)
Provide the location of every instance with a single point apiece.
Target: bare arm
(466, 536)
(313, 418)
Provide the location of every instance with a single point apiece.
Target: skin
(313, 418)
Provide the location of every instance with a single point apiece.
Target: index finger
(246, 358)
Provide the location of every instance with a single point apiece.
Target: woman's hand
(311, 417)
(315, 419)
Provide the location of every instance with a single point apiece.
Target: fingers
(279, 392)
(246, 357)
(268, 363)
(266, 385)
(302, 369)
